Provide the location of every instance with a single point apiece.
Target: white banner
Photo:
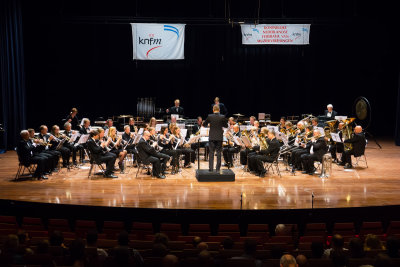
(283, 34)
(153, 41)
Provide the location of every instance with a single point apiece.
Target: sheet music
(137, 139)
(340, 118)
(181, 125)
(183, 133)
(176, 116)
(193, 139)
(336, 137)
(238, 141)
(83, 139)
(204, 131)
(141, 131)
(74, 136)
(321, 130)
(246, 141)
(159, 126)
(106, 132)
(272, 128)
(204, 139)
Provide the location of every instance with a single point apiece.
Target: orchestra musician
(117, 147)
(51, 160)
(109, 124)
(128, 138)
(26, 155)
(85, 129)
(222, 109)
(254, 145)
(217, 122)
(58, 138)
(231, 148)
(99, 153)
(231, 123)
(153, 141)
(152, 122)
(315, 151)
(197, 126)
(252, 120)
(132, 126)
(337, 147)
(256, 141)
(165, 141)
(71, 146)
(358, 142)
(314, 122)
(176, 109)
(73, 119)
(330, 114)
(266, 155)
(47, 138)
(148, 155)
(282, 125)
(301, 149)
(188, 153)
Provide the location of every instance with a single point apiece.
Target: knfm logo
(151, 40)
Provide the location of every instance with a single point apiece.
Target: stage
(377, 185)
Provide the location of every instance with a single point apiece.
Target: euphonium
(263, 142)
(347, 135)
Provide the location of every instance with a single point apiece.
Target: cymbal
(238, 115)
(189, 125)
(124, 116)
(180, 119)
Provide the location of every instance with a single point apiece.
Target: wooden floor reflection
(374, 186)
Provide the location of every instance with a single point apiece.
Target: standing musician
(330, 114)
(358, 142)
(116, 147)
(109, 124)
(176, 109)
(148, 154)
(73, 119)
(223, 110)
(46, 139)
(316, 150)
(99, 153)
(51, 160)
(188, 153)
(231, 148)
(58, 138)
(165, 141)
(71, 145)
(282, 125)
(128, 138)
(85, 129)
(267, 155)
(217, 122)
(132, 126)
(26, 155)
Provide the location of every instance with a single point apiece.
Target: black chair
(140, 164)
(22, 166)
(93, 164)
(275, 164)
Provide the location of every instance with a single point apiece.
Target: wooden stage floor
(378, 185)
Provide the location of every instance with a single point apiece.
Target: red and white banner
(281, 34)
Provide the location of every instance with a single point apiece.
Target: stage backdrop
(153, 41)
(286, 34)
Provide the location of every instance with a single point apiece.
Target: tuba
(326, 168)
(263, 142)
(347, 132)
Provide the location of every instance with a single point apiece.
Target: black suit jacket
(25, 152)
(83, 131)
(74, 122)
(319, 148)
(95, 150)
(217, 121)
(145, 150)
(222, 109)
(176, 110)
(334, 113)
(273, 148)
(359, 142)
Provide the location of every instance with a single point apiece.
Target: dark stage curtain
(397, 133)
(12, 71)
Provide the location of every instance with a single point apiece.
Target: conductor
(217, 121)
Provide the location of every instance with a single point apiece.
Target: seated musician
(148, 154)
(85, 129)
(117, 147)
(73, 119)
(336, 147)
(176, 109)
(99, 154)
(197, 126)
(257, 126)
(314, 122)
(267, 155)
(128, 138)
(358, 142)
(26, 156)
(153, 122)
(330, 114)
(56, 145)
(46, 139)
(109, 124)
(51, 160)
(260, 142)
(282, 125)
(252, 120)
(302, 142)
(231, 123)
(71, 145)
(231, 148)
(253, 148)
(165, 141)
(316, 150)
(189, 154)
(132, 126)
